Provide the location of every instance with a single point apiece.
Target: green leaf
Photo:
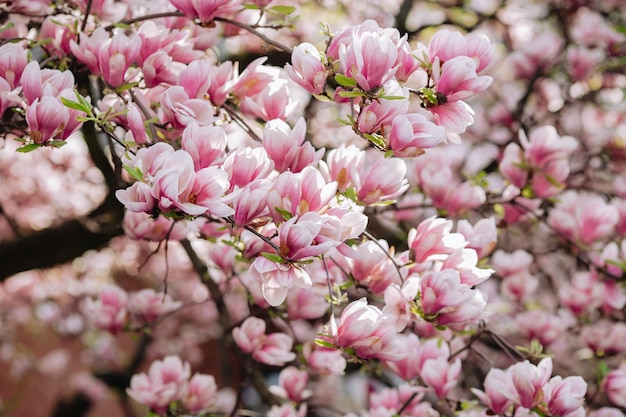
(389, 153)
(351, 193)
(351, 94)
(57, 143)
(134, 172)
(344, 81)
(393, 97)
(274, 257)
(7, 26)
(603, 370)
(323, 98)
(376, 139)
(430, 95)
(28, 148)
(324, 343)
(282, 9)
(74, 105)
(251, 7)
(286, 214)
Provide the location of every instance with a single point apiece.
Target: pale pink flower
(340, 163)
(201, 393)
(287, 410)
(286, 146)
(400, 300)
(46, 119)
(207, 10)
(407, 368)
(541, 326)
(375, 115)
(583, 217)
(148, 305)
(432, 238)
(447, 301)
(277, 278)
(273, 349)
(369, 58)
(275, 102)
(606, 412)
(88, 47)
(382, 180)
(363, 328)
(109, 310)
(529, 381)
(301, 237)
(299, 193)
(307, 68)
(565, 397)
(306, 303)
(482, 236)
(614, 384)
(13, 60)
(292, 383)
(142, 226)
(116, 55)
(412, 133)
(166, 382)
(137, 198)
(497, 384)
(251, 202)
(326, 361)
(440, 375)
(373, 267)
(245, 165)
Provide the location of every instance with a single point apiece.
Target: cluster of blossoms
(365, 205)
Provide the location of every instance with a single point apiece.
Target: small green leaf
(7, 26)
(351, 94)
(134, 172)
(376, 139)
(73, 105)
(430, 95)
(351, 193)
(28, 148)
(282, 9)
(389, 153)
(321, 97)
(286, 214)
(57, 143)
(603, 370)
(274, 257)
(393, 97)
(251, 7)
(344, 81)
(324, 343)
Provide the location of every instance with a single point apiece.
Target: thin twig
(252, 30)
(87, 13)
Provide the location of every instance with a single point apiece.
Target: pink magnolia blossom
(340, 163)
(206, 10)
(379, 114)
(481, 237)
(529, 382)
(584, 218)
(201, 393)
(277, 278)
(166, 382)
(147, 305)
(292, 384)
(440, 375)
(447, 301)
(497, 384)
(324, 361)
(286, 146)
(307, 68)
(432, 238)
(36, 82)
(275, 102)
(46, 118)
(614, 384)
(245, 165)
(205, 144)
(369, 58)
(137, 198)
(364, 329)
(382, 180)
(109, 310)
(411, 134)
(373, 266)
(116, 55)
(251, 202)
(88, 47)
(300, 193)
(13, 60)
(142, 226)
(273, 349)
(565, 397)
